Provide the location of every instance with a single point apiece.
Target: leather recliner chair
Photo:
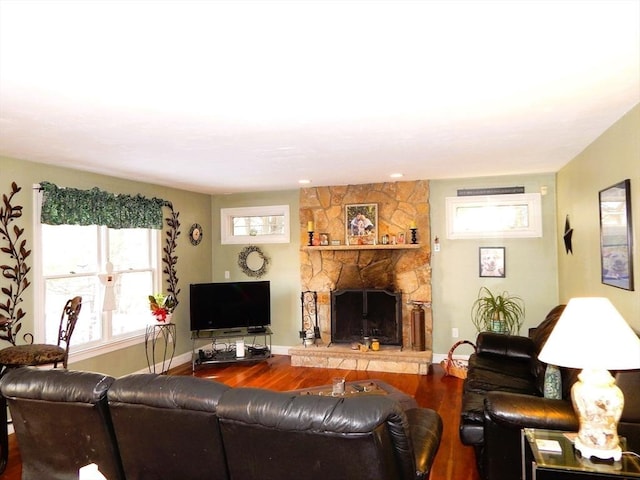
(62, 422)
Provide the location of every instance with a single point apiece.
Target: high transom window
(268, 224)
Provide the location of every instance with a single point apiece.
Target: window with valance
(81, 231)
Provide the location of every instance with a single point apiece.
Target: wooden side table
(160, 337)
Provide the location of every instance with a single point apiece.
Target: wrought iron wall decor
(16, 272)
(170, 259)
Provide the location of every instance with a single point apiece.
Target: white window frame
(483, 205)
(89, 350)
(226, 225)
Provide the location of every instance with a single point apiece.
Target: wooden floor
(443, 394)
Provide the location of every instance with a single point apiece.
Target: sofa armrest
(512, 346)
(512, 410)
(505, 415)
(425, 426)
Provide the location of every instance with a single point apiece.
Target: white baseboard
(282, 350)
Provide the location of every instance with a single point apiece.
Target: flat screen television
(230, 305)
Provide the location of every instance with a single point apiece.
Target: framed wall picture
(492, 262)
(361, 223)
(616, 235)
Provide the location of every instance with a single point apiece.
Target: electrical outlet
(227, 275)
(455, 333)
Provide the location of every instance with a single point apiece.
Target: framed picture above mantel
(616, 235)
(361, 223)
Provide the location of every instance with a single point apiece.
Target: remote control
(358, 388)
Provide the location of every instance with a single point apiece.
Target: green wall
(194, 263)
(531, 263)
(611, 158)
(537, 269)
(284, 267)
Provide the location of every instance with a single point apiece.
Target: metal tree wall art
(169, 258)
(16, 271)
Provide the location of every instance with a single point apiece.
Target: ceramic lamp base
(587, 451)
(598, 402)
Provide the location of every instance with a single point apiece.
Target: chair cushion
(37, 354)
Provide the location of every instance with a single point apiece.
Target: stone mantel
(406, 246)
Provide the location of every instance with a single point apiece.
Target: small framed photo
(324, 239)
(401, 238)
(335, 243)
(492, 262)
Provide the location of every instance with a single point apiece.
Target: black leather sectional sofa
(148, 426)
(503, 394)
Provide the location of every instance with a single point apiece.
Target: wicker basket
(456, 368)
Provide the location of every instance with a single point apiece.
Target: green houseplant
(502, 313)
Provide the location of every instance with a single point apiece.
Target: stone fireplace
(402, 269)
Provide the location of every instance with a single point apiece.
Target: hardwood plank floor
(436, 391)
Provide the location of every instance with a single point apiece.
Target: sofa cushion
(266, 433)
(510, 346)
(167, 427)
(517, 368)
(540, 334)
(482, 380)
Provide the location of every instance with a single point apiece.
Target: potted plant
(501, 313)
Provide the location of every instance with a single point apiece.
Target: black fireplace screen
(371, 312)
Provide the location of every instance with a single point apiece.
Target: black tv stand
(253, 352)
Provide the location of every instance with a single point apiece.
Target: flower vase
(159, 318)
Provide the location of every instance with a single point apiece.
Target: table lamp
(592, 335)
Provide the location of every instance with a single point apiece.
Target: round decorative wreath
(242, 261)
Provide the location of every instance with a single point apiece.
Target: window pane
(58, 291)
(132, 292)
(69, 248)
(129, 248)
(254, 226)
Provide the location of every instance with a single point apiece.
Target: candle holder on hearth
(310, 232)
(414, 235)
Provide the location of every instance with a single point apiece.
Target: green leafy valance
(71, 206)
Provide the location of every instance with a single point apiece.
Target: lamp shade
(591, 333)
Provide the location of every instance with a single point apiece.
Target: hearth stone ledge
(390, 359)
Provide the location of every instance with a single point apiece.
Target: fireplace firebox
(356, 313)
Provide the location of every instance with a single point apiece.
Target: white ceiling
(222, 97)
